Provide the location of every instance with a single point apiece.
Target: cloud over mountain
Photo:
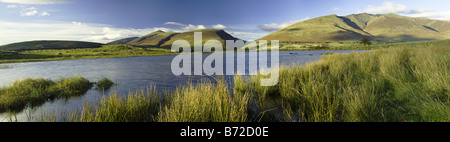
(277, 26)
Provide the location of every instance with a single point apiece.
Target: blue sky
(107, 20)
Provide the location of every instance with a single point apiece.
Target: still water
(129, 74)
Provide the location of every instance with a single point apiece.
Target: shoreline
(3, 62)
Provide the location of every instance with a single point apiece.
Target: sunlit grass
(205, 103)
(34, 92)
(400, 84)
(396, 84)
(106, 51)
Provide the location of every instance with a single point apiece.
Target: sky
(107, 20)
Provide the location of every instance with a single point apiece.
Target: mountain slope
(49, 44)
(326, 28)
(165, 40)
(387, 27)
(207, 34)
(156, 38)
(123, 41)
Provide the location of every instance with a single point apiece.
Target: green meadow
(124, 50)
(105, 51)
(406, 82)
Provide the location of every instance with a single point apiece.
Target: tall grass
(400, 84)
(396, 84)
(142, 106)
(33, 92)
(205, 103)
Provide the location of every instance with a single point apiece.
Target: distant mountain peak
(382, 27)
(160, 38)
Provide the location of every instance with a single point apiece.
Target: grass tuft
(34, 92)
(104, 84)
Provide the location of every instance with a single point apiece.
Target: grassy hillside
(382, 28)
(106, 51)
(155, 39)
(408, 83)
(207, 34)
(49, 44)
(327, 28)
(123, 41)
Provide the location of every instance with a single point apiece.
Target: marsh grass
(205, 103)
(139, 106)
(202, 103)
(397, 84)
(33, 92)
(104, 84)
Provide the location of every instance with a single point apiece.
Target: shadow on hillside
(350, 35)
(403, 38)
(16, 55)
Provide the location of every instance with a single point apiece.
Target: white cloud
(12, 6)
(174, 23)
(248, 36)
(78, 23)
(387, 7)
(193, 27)
(219, 26)
(31, 11)
(336, 9)
(102, 33)
(28, 11)
(441, 15)
(56, 30)
(36, 1)
(44, 14)
(185, 27)
(275, 26)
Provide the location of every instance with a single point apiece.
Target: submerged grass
(400, 84)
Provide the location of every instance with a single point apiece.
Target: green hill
(123, 41)
(387, 28)
(165, 40)
(207, 34)
(49, 44)
(153, 39)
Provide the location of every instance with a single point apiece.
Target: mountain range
(49, 44)
(382, 28)
(165, 39)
